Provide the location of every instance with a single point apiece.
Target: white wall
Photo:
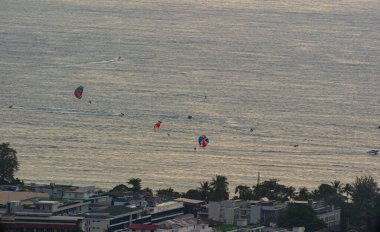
(255, 214)
(214, 211)
(96, 225)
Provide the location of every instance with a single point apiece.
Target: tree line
(359, 201)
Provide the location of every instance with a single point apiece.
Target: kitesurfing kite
(203, 141)
(157, 126)
(78, 92)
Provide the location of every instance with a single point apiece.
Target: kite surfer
(157, 126)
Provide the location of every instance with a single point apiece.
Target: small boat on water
(372, 152)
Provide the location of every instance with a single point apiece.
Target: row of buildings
(70, 209)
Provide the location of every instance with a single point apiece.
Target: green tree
(136, 184)
(364, 191)
(8, 164)
(325, 191)
(290, 192)
(193, 194)
(148, 191)
(301, 215)
(303, 194)
(373, 222)
(273, 190)
(120, 188)
(219, 188)
(77, 228)
(168, 193)
(245, 192)
(365, 198)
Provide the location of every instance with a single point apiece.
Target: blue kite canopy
(78, 92)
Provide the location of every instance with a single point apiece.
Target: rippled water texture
(296, 72)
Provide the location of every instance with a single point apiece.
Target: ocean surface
(298, 72)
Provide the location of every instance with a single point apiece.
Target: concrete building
(57, 208)
(39, 222)
(265, 211)
(113, 218)
(53, 208)
(191, 206)
(245, 212)
(184, 223)
(329, 214)
(166, 211)
(226, 212)
(141, 228)
(80, 193)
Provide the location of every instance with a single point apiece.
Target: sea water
(303, 75)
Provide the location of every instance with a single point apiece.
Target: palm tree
(347, 189)
(337, 186)
(205, 190)
(219, 186)
(303, 194)
(290, 191)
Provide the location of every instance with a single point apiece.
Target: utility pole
(258, 178)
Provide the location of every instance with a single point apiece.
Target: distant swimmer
(119, 58)
(378, 127)
(11, 106)
(205, 97)
(251, 129)
(195, 148)
(89, 101)
(189, 117)
(296, 145)
(168, 134)
(121, 114)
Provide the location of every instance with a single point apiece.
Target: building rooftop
(47, 202)
(37, 217)
(112, 211)
(20, 196)
(143, 227)
(189, 201)
(180, 221)
(82, 189)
